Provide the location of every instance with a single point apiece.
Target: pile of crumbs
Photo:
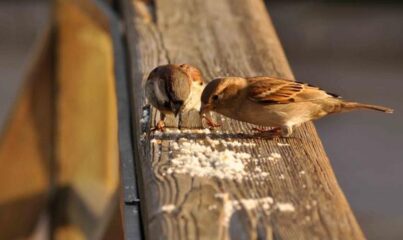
(200, 160)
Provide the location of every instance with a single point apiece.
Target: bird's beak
(176, 108)
(205, 108)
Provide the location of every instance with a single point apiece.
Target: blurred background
(353, 48)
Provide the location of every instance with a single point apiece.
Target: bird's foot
(268, 133)
(211, 124)
(159, 127)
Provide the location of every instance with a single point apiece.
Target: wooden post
(86, 141)
(26, 148)
(267, 189)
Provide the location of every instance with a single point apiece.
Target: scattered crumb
(263, 175)
(267, 203)
(172, 130)
(157, 141)
(274, 156)
(285, 207)
(212, 207)
(303, 186)
(201, 160)
(266, 206)
(251, 203)
(281, 176)
(230, 206)
(145, 117)
(168, 208)
(158, 133)
(283, 144)
(302, 172)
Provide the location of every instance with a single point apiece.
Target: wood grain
(297, 197)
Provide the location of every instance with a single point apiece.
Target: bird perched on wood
(173, 89)
(274, 102)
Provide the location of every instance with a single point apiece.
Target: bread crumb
(168, 208)
(285, 207)
(201, 160)
(145, 117)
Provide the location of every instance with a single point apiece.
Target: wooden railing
(198, 184)
(83, 109)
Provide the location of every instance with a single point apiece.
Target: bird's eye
(215, 97)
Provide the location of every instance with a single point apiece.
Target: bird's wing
(269, 90)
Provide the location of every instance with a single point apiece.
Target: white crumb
(156, 141)
(172, 130)
(250, 204)
(145, 117)
(263, 175)
(285, 207)
(281, 176)
(274, 156)
(158, 133)
(283, 144)
(230, 206)
(302, 172)
(212, 207)
(201, 160)
(168, 208)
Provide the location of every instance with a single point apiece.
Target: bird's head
(175, 82)
(220, 93)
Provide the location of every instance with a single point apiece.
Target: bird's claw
(211, 123)
(160, 126)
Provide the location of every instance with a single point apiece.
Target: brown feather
(268, 90)
(193, 72)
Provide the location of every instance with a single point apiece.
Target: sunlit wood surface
(268, 189)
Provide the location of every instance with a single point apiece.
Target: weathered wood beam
(267, 189)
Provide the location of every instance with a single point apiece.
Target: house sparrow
(173, 89)
(274, 102)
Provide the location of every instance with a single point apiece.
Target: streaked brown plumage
(174, 88)
(274, 102)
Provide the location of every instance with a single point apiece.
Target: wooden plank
(26, 148)
(86, 137)
(268, 189)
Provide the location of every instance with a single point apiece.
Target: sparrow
(273, 102)
(173, 89)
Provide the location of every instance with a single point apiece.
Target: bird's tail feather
(348, 106)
